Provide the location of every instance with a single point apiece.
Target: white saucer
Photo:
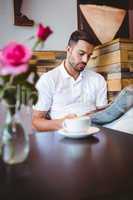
(77, 135)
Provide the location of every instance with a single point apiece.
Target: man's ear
(68, 48)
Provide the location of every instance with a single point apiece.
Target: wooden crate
(118, 51)
(114, 61)
(113, 68)
(46, 60)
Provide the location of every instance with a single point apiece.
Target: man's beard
(75, 65)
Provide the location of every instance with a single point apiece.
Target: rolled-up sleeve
(44, 89)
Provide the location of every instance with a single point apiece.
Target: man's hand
(41, 123)
(94, 111)
(69, 116)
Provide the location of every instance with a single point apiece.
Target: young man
(70, 89)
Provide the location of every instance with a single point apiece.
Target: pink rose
(14, 59)
(43, 32)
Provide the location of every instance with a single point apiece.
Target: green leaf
(1, 91)
(5, 79)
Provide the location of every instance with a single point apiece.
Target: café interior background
(60, 15)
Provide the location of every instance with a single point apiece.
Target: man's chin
(81, 69)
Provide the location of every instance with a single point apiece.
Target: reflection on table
(97, 167)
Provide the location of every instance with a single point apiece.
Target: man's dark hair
(81, 35)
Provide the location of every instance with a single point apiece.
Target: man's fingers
(70, 116)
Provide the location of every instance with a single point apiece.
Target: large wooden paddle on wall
(105, 21)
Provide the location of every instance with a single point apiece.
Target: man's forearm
(94, 111)
(42, 124)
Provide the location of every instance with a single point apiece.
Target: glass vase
(3, 111)
(15, 148)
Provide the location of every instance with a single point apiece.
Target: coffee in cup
(77, 124)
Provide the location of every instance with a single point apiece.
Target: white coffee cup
(77, 124)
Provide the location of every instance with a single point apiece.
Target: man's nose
(85, 59)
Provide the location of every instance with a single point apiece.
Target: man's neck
(71, 71)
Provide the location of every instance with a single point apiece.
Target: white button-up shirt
(60, 94)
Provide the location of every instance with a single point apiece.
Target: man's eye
(81, 53)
